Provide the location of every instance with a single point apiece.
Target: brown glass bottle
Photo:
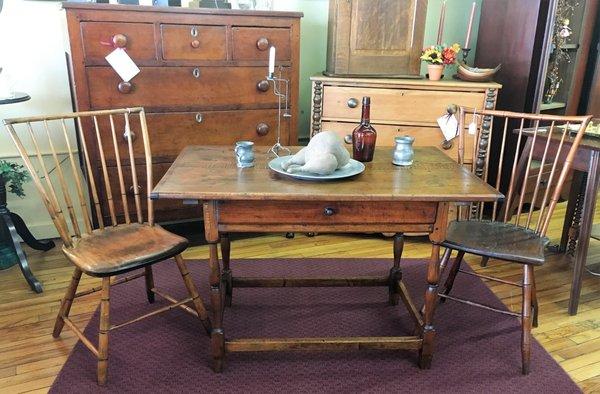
(364, 135)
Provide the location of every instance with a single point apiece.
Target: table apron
(326, 216)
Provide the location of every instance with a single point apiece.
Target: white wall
(32, 52)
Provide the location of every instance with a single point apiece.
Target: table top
(16, 97)
(590, 142)
(210, 173)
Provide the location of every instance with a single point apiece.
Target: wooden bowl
(474, 74)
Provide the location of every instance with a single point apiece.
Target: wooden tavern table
(384, 198)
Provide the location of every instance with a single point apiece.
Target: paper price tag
(449, 126)
(122, 64)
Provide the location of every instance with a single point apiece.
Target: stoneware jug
(244, 154)
(403, 151)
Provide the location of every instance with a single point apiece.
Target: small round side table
(15, 225)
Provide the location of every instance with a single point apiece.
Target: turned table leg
(227, 277)
(217, 336)
(396, 272)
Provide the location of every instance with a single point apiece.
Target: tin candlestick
(281, 89)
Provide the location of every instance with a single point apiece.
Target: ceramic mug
(244, 154)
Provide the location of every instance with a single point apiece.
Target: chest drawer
(98, 39)
(424, 136)
(193, 128)
(181, 87)
(319, 213)
(394, 105)
(193, 42)
(252, 43)
(163, 209)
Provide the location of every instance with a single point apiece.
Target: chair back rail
(519, 205)
(30, 133)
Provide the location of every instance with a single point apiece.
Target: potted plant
(438, 56)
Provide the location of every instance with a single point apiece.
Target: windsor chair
(125, 242)
(513, 230)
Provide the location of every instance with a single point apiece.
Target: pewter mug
(403, 151)
(244, 154)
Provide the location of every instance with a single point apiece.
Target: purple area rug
(476, 350)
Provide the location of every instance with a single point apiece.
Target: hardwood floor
(30, 358)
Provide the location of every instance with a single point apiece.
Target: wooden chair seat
(125, 247)
(497, 240)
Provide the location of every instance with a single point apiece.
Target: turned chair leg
(103, 333)
(452, 274)
(193, 292)
(526, 318)
(149, 284)
(65, 305)
(534, 300)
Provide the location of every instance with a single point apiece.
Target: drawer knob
(196, 72)
(132, 189)
(125, 87)
(348, 139)
(262, 44)
(199, 117)
(446, 144)
(263, 85)
(328, 211)
(352, 102)
(195, 44)
(126, 135)
(119, 40)
(262, 129)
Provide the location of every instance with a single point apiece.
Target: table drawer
(252, 43)
(97, 40)
(181, 87)
(424, 136)
(193, 42)
(171, 132)
(334, 213)
(394, 105)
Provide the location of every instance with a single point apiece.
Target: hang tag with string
(473, 124)
(449, 126)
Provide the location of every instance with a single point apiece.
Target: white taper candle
(470, 27)
(271, 61)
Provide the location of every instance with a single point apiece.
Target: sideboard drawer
(252, 43)
(394, 105)
(424, 136)
(181, 87)
(193, 42)
(193, 128)
(100, 38)
(324, 213)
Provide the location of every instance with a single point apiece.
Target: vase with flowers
(437, 57)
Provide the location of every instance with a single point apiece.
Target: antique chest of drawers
(398, 107)
(202, 79)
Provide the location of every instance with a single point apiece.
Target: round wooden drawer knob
(195, 44)
(262, 44)
(446, 144)
(262, 129)
(119, 40)
(263, 85)
(124, 87)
